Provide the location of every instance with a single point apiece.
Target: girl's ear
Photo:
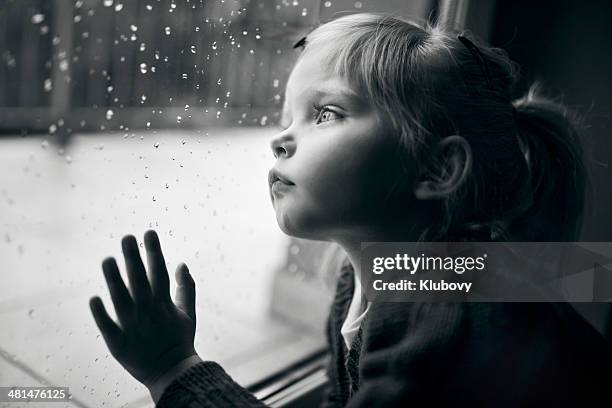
(455, 157)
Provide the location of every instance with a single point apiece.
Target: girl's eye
(325, 114)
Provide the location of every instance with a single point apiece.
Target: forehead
(312, 79)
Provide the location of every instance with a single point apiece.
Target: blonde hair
(427, 85)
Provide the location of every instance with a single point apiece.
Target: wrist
(158, 386)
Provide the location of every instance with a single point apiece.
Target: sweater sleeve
(206, 384)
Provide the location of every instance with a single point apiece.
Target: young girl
(396, 132)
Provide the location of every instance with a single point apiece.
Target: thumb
(185, 291)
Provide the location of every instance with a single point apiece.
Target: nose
(283, 146)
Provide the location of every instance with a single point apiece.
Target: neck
(397, 232)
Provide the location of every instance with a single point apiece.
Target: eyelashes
(320, 114)
(320, 111)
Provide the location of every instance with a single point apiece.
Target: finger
(124, 305)
(185, 291)
(160, 284)
(112, 334)
(139, 284)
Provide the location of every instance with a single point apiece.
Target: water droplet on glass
(214, 45)
(219, 81)
(44, 144)
(149, 7)
(31, 313)
(186, 108)
(109, 114)
(52, 128)
(119, 7)
(68, 159)
(192, 49)
(133, 27)
(358, 4)
(258, 37)
(156, 145)
(63, 65)
(143, 98)
(184, 76)
(327, 4)
(148, 125)
(167, 30)
(179, 118)
(108, 3)
(142, 47)
(154, 198)
(38, 18)
(143, 68)
(304, 12)
(48, 85)
(263, 121)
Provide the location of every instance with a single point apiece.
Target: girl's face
(334, 156)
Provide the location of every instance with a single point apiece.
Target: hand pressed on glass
(154, 334)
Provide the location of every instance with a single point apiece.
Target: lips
(274, 176)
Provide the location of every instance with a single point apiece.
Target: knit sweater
(439, 354)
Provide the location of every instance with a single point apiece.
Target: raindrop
(304, 12)
(143, 98)
(149, 7)
(109, 89)
(167, 30)
(218, 114)
(133, 27)
(108, 3)
(154, 198)
(244, 33)
(186, 108)
(143, 68)
(327, 4)
(193, 49)
(179, 118)
(48, 85)
(38, 18)
(184, 76)
(156, 145)
(68, 159)
(119, 7)
(275, 83)
(63, 65)
(263, 120)
(143, 47)
(44, 144)
(214, 45)
(219, 81)
(109, 114)
(31, 313)
(257, 36)
(358, 5)
(52, 128)
(148, 125)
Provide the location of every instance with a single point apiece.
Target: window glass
(121, 116)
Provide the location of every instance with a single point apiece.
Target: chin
(299, 227)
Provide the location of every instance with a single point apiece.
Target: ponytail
(553, 152)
